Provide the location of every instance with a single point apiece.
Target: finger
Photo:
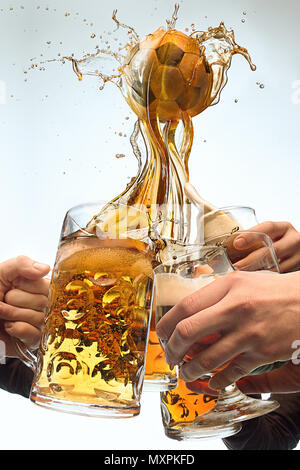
(286, 379)
(237, 369)
(201, 386)
(19, 298)
(212, 357)
(28, 334)
(207, 323)
(287, 245)
(41, 286)
(261, 258)
(198, 301)
(10, 313)
(290, 264)
(21, 266)
(275, 230)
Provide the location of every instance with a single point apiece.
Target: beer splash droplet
(120, 155)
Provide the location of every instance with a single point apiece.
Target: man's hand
(257, 316)
(286, 243)
(23, 298)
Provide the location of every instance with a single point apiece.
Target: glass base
(192, 431)
(159, 383)
(85, 409)
(234, 407)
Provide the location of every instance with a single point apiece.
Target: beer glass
(256, 254)
(174, 279)
(91, 359)
(158, 375)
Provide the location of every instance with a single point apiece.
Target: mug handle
(28, 357)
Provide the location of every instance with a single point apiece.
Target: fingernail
(240, 242)
(40, 266)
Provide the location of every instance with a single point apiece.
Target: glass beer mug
(91, 358)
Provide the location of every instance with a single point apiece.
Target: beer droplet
(236, 100)
(93, 36)
(120, 155)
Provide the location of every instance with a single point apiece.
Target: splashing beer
(166, 78)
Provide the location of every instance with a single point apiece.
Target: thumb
(21, 266)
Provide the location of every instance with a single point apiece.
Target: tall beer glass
(185, 276)
(176, 278)
(91, 359)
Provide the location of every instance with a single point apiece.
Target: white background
(59, 138)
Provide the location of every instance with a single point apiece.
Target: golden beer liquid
(96, 327)
(157, 369)
(180, 407)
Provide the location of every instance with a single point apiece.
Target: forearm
(15, 377)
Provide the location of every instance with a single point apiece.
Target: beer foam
(92, 254)
(170, 288)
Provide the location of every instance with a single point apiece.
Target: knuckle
(269, 227)
(187, 305)
(207, 363)
(41, 302)
(9, 297)
(256, 335)
(22, 259)
(235, 277)
(8, 311)
(246, 304)
(184, 330)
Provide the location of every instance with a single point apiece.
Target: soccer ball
(165, 75)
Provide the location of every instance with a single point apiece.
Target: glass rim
(228, 209)
(197, 247)
(73, 214)
(240, 232)
(201, 275)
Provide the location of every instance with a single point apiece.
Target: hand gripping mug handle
(27, 356)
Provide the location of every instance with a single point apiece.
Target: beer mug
(91, 358)
(174, 279)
